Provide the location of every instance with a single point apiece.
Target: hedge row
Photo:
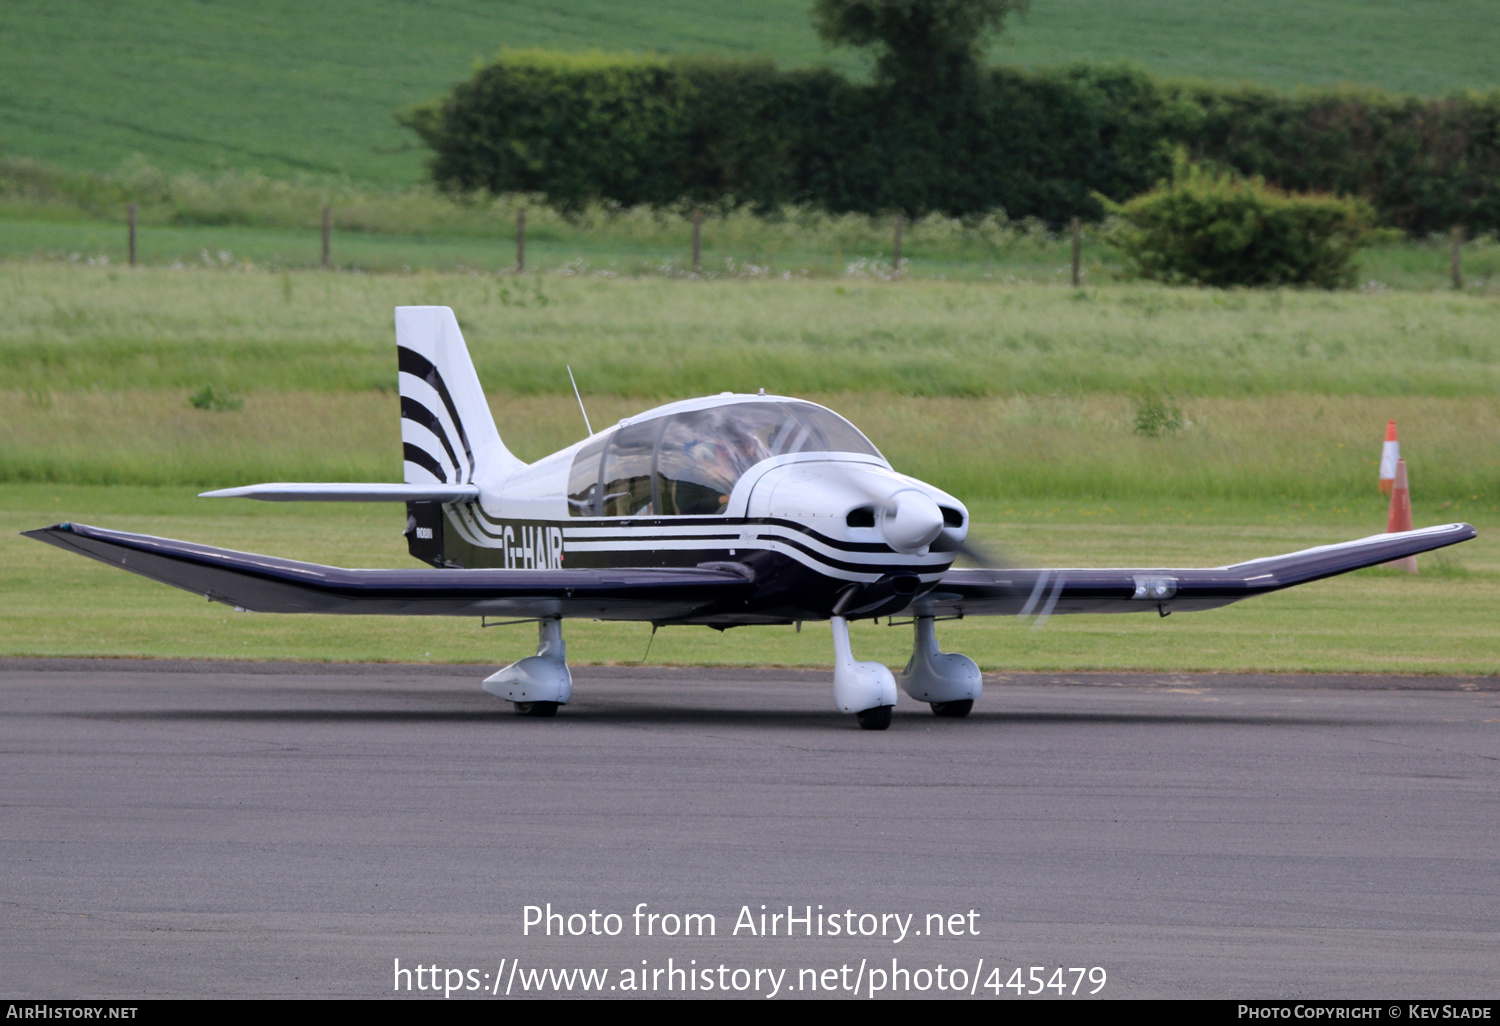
(1047, 144)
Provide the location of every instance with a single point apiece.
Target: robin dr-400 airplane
(723, 511)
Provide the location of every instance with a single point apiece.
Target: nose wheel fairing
(866, 689)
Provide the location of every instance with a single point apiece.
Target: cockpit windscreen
(696, 458)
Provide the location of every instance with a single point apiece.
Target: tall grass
(103, 328)
(1010, 449)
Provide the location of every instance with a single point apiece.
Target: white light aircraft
(722, 511)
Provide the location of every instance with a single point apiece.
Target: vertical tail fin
(448, 435)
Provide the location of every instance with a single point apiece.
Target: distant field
(1373, 621)
(293, 89)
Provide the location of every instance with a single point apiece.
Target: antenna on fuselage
(580, 400)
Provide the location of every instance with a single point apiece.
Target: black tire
(954, 710)
(539, 709)
(878, 718)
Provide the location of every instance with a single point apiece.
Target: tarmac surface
(259, 829)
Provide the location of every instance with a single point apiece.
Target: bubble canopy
(687, 464)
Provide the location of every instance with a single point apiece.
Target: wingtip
(44, 533)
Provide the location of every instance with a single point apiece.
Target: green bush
(1156, 416)
(1208, 227)
(210, 398)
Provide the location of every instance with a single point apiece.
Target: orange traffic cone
(1400, 515)
(1390, 452)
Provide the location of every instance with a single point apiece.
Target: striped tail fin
(448, 435)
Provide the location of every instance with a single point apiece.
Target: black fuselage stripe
(418, 366)
(864, 568)
(655, 538)
(608, 550)
(653, 524)
(413, 454)
(418, 414)
(477, 525)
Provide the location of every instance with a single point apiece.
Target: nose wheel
(868, 690)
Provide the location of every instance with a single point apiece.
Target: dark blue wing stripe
(1010, 592)
(269, 584)
(418, 366)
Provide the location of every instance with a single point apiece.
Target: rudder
(448, 434)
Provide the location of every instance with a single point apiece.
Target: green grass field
(1021, 399)
(308, 89)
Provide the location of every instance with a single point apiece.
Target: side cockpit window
(611, 476)
(583, 481)
(688, 464)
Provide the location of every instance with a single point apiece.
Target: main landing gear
(537, 684)
(949, 682)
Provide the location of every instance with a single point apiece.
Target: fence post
(520, 239)
(1457, 267)
(1077, 252)
(327, 232)
(132, 235)
(896, 250)
(697, 241)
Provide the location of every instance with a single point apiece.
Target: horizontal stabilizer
(283, 491)
(270, 585)
(1018, 592)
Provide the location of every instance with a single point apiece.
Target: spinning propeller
(910, 521)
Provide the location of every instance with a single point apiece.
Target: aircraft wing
(267, 584)
(1047, 592)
